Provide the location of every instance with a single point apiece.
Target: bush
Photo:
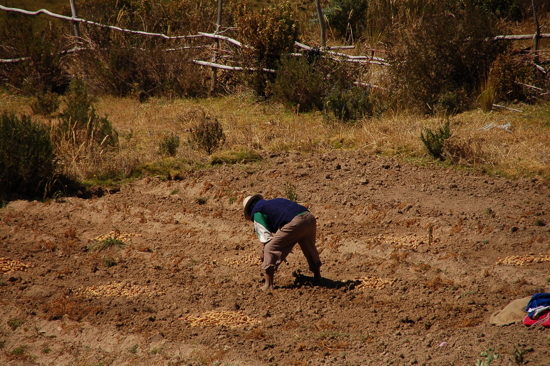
(511, 72)
(169, 145)
(290, 192)
(299, 84)
(79, 122)
(85, 142)
(126, 64)
(435, 141)
(306, 84)
(207, 135)
(44, 71)
(270, 32)
(27, 158)
(349, 104)
(442, 58)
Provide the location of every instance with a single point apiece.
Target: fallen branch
(356, 59)
(14, 60)
(230, 40)
(530, 86)
(21, 59)
(507, 108)
(84, 21)
(232, 68)
(520, 37)
(541, 69)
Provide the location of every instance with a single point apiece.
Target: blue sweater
(279, 211)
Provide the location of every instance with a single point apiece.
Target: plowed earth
(415, 261)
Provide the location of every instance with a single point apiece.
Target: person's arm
(262, 229)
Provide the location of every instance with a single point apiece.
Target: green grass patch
(20, 352)
(15, 323)
(235, 157)
(106, 243)
(169, 168)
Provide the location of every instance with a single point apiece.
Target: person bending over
(280, 224)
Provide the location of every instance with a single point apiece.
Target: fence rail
(325, 51)
(333, 55)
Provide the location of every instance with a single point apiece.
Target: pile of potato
(407, 241)
(373, 282)
(230, 319)
(117, 289)
(8, 265)
(244, 260)
(117, 235)
(523, 260)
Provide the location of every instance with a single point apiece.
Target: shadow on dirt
(302, 280)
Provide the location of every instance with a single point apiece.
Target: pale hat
(248, 202)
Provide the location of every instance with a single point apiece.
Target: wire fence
(328, 51)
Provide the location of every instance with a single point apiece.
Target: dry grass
(248, 124)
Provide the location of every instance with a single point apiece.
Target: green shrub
(106, 243)
(79, 122)
(349, 104)
(299, 84)
(489, 356)
(27, 157)
(434, 141)
(290, 192)
(306, 84)
(271, 32)
(430, 71)
(207, 135)
(15, 323)
(20, 352)
(169, 145)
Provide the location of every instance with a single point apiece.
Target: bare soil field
(410, 260)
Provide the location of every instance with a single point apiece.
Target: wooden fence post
(214, 77)
(536, 37)
(75, 15)
(321, 23)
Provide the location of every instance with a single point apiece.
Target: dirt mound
(414, 261)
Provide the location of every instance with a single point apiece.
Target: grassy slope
(525, 152)
(269, 128)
